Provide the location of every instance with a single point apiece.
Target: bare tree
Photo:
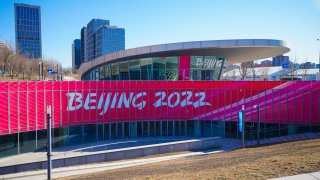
(293, 68)
(244, 69)
(6, 54)
(305, 70)
(252, 69)
(265, 72)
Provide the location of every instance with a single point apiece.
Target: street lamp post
(40, 71)
(49, 143)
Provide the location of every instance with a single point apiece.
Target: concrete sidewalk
(92, 168)
(308, 176)
(81, 149)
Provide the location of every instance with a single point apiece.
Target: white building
(269, 73)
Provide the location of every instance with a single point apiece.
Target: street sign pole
(243, 126)
(258, 135)
(49, 141)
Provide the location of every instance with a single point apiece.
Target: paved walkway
(308, 176)
(81, 150)
(91, 168)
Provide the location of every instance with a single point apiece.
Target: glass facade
(109, 39)
(92, 27)
(35, 140)
(159, 68)
(206, 67)
(76, 53)
(28, 30)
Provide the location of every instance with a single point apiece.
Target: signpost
(50, 71)
(49, 143)
(241, 125)
(285, 65)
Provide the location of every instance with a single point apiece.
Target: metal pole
(258, 115)
(42, 75)
(39, 71)
(49, 145)
(57, 72)
(319, 59)
(243, 126)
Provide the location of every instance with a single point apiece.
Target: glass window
(206, 67)
(115, 71)
(101, 73)
(134, 69)
(124, 70)
(75, 135)
(159, 68)
(89, 133)
(146, 69)
(9, 144)
(60, 136)
(172, 67)
(195, 75)
(107, 72)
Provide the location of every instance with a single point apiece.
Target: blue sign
(285, 65)
(49, 70)
(240, 118)
(54, 72)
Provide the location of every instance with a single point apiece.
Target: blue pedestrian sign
(50, 70)
(240, 118)
(285, 65)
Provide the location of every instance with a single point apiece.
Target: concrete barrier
(117, 154)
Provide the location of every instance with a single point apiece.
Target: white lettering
(106, 104)
(124, 100)
(71, 98)
(89, 101)
(139, 105)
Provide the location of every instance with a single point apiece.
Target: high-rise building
(76, 53)
(28, 30)
(278, 60)
(83, 44)
(92, 27)
(109, 39)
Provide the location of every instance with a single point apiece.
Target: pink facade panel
(23, 105)
(184, 68)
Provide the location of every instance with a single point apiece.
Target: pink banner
(23, 104)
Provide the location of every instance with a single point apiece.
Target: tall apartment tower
(278, 60)
(76, 54)
(109, 39)
(83, 44)
(92, 27)
(28, 30)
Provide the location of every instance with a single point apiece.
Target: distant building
(99, 38)
(308, 65)
(109, 39)
(83, 44)
(257, 74)
(76, 53)
(92, 27)
(306, 74)
(28, 30)
(266, 63)
(278, 60)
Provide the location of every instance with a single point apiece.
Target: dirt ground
(250, 163)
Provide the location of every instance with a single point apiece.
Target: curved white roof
(235, 51)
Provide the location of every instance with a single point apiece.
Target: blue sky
(149, 22)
